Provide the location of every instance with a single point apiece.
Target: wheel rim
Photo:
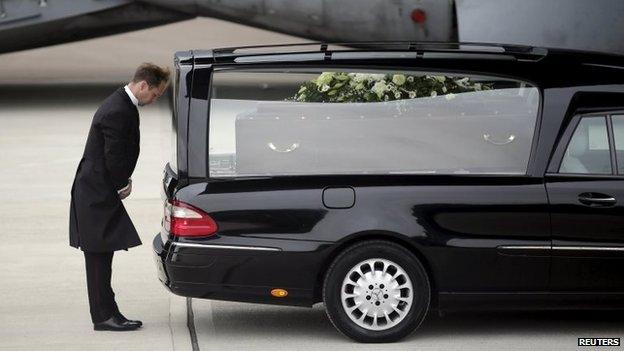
(377, 294)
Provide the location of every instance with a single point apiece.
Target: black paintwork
(458, 225)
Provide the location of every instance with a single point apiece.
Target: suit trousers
(102, 303)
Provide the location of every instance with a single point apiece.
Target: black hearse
(388, 182)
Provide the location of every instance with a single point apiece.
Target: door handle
(596, 199)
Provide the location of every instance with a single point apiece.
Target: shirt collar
(134, 100)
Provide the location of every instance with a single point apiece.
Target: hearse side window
(618, 134)
(368, 122)
(588, 150)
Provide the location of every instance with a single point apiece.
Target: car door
(585, 186)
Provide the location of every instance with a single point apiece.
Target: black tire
(351, 257)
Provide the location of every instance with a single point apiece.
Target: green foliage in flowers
(361, 87)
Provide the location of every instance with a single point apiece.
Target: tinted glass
(618, 133)
(356, 122)
(588, 150)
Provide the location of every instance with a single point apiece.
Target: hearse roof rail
(456, 49)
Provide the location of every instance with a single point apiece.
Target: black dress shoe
(115, 324)
(123, 318)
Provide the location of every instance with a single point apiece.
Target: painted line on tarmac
(190, 323)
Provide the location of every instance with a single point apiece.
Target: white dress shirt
(134, 100)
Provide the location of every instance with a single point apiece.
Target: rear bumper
(234, 272)
(159, 260)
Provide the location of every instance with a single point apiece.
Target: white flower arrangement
(365, 87)
(379, 88)
(398, 79)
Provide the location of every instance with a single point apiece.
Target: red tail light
(182, 219)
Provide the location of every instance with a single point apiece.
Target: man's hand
(125, 191)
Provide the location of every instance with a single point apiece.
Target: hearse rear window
(368, 122)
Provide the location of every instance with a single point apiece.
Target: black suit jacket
(98, 221)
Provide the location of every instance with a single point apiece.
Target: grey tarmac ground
(47, 99)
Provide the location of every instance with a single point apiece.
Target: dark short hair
(152, 74)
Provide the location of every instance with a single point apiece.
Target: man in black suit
(98, 222)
